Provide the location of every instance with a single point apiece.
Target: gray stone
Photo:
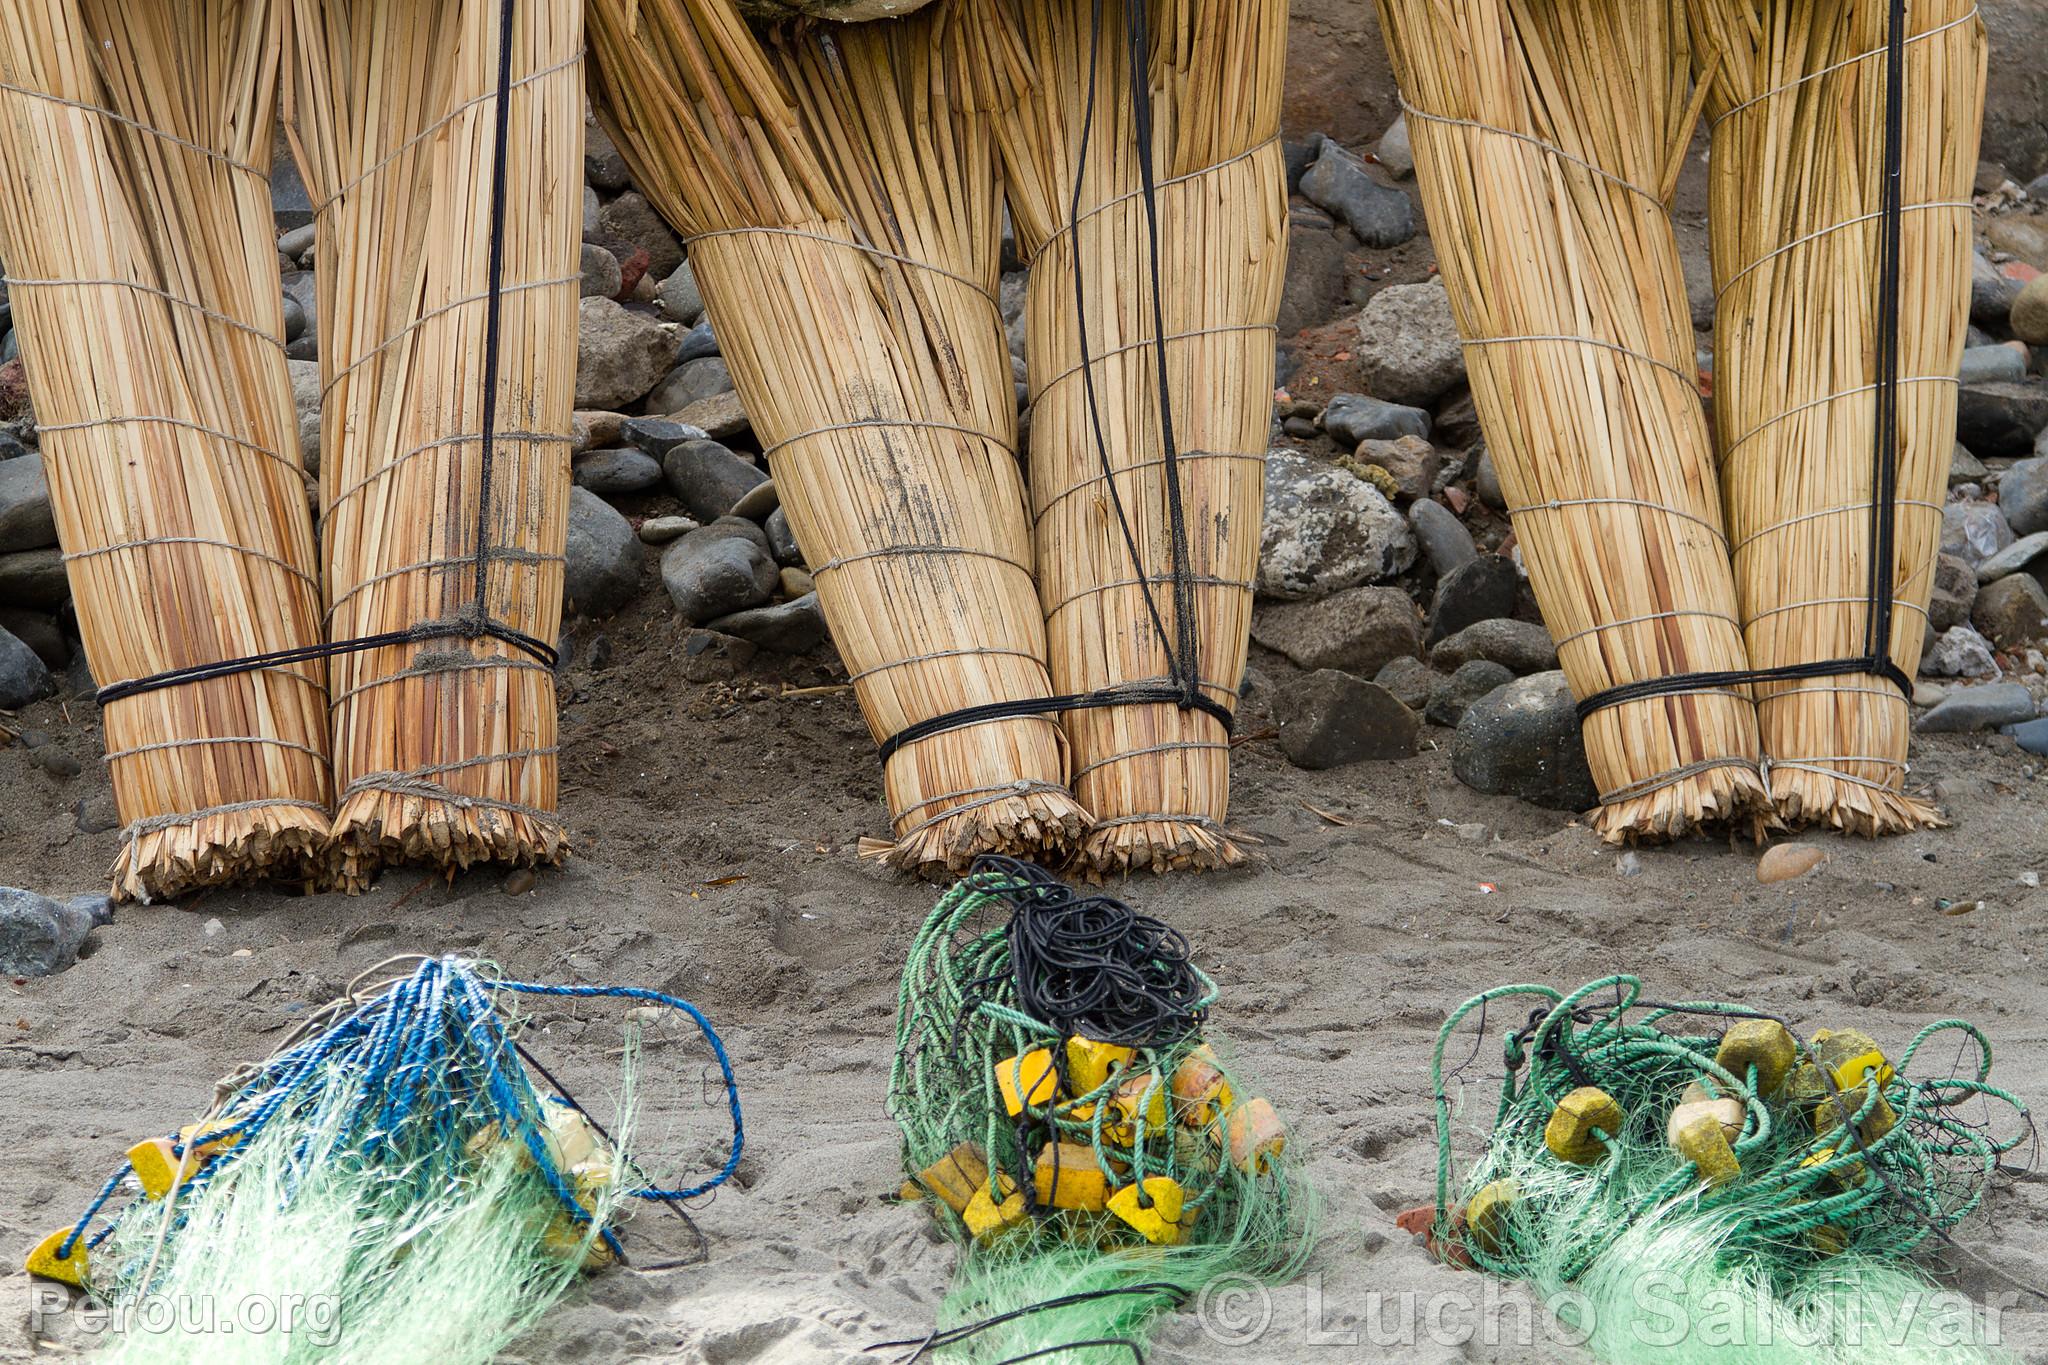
(1992, 364)
(1959, 652)
(1318, 273)
(795, 583)
(1410, 680)
(1978, 708)
(2013, 557)
(595, 429)
(602, 164)
(1997, 419)
(2032, 736)
(2023, 496)
(23, 675)
(1408, 345)
(1393, 150)
(722, 416)
(1378, 215)
(794, 627)
(708, 656)
(680, 297)
(1455, 695)
(294, 320)
(602, 278)
(782, 540)
(40, 633)
(709, 576)
(698, 342)
(757, 502)
(1992, 293)
(1482, 590)
(26, 522)
(1963, 467)
(303, 288)
(633, 219)
(616, 473)
(1359, 630)
(1446, 544)
(1955, 592)
(661, 530)
(1522, 647)
(1486, 483)
(736, 528)
(593, 213)
(34, 579)
(2030, 312)
(2011, 612)
(1973, 531)
(659, 435)
(620, 354)
(40, 936)
(1330, 718)
(604, 556)
(689, 383)
(306, 395)
(1411, 462)
(1326, 530)
(2021, 234)
(707, 478)
(1353, 417)
(1523, 740)
(290, 204)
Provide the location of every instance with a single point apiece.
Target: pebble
(1300, 428)
(1992, 293)
(690, 382)
(1455, 695)
(1926, 694)
(1966, 709)
(797, 583)
(2023, 496)
(1992, 364)
(40, 936)
(1486, 482)
(1408, 346)
(2002, 418)
(1974, 531)
(1963, 467)
(298, 241)
(659, 435)
(1379, 216)
(621, 353)
(603, 555)
(1628, 865)
(2029, 314)
(1446, 544)
(1954, 593)
(1330, 718)
(1785, 862)
(2032, 735)
(1354, 417)
(1358, 630)
(793, 627)
(1483, 589)
(1523, 740)
(661, 530)
(680, 298)
(781, 540)
(709, 576)
(26, 521)
(697, 343)
(1409, 461)
(1410, 680)
(708, 479)
(55, 762)
(757, 502)
(24, 678)
(519, 881)
(1522, 647)
(631, 218)
(602, 278)
(616, 473)
(1960, 652)
(2014, 557)
(711, 657)
(1393, 150)
(2011, 612)
(737, 528)
(721, 416)
(1326, 530)
(213, 928)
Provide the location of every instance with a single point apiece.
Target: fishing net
(1068, 1117)
(1652, 1163)
(391, 1185)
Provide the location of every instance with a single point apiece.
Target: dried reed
(1797, 95)
(841, 196)
(145, 291)
(444, 750)
(1547, 137)
(1156, 776)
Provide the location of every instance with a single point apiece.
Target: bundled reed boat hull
(135, 222)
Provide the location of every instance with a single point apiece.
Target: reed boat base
(1719, 796)
(1166, 844)
(269, 843)
(1040, 826)
(1808, 799)
(433, 833)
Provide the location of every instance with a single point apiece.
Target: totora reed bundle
(445, 743)
(1547, 137)
(135, 222)
(839, 190)
(1798, 98)
(1150, 343)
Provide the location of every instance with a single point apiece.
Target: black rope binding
(1183, 685)
(474, 621)
(1876, 658)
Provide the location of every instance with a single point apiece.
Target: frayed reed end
(375, 830)
(1157, 844)
(273, 842)
(1733, 796)
(1804, 798)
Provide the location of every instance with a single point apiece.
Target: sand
(715, 828)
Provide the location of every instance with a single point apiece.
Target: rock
(2030, 312)
(604, 556)
(1992, 365)
(602, 164)
(1410, 680)
(709, 575)
(1523, 740)
(2011, 612)
(680, 298)
(1927, 694)
(1978, 708)
(620, 354)
(1352, 417)
(1786, 862)
(595, 429)
(661, 530)
(708, 479)
(1963, 467)
(1326, 530)
(306, 396)
(1486, 483)
(1445, 541)
(602, 278)
(1974, 531)
(1955, 592)
(659, 435)
(688, 383)
(711, 657)
(593, 213)
(34, 579)
(40, 633)
(1960, 652)
(1456, 694)
(616, 473)
(1393, 150)
(2002, 418)
(736, 528)
(1408, 345)
(698, 342)
(794, 627)
(781, 540)
(1318, 275)
(1411, 462)
(2024, 235)
(26, 522)
(2032, 735)
(53, 760)
(1992, 293)
(2011, 559)
(757, 502)
(1482, 590)
(1330, 718)
(721, 416)
(2023, 497)
(795, 583)
(633, 219)
(41, 937)
(1522, 647)
(1378, 216)
(23, 675)
(1358, 630)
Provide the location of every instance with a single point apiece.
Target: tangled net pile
(391, 1175)
(1688, 1181)
(1063, 1115)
